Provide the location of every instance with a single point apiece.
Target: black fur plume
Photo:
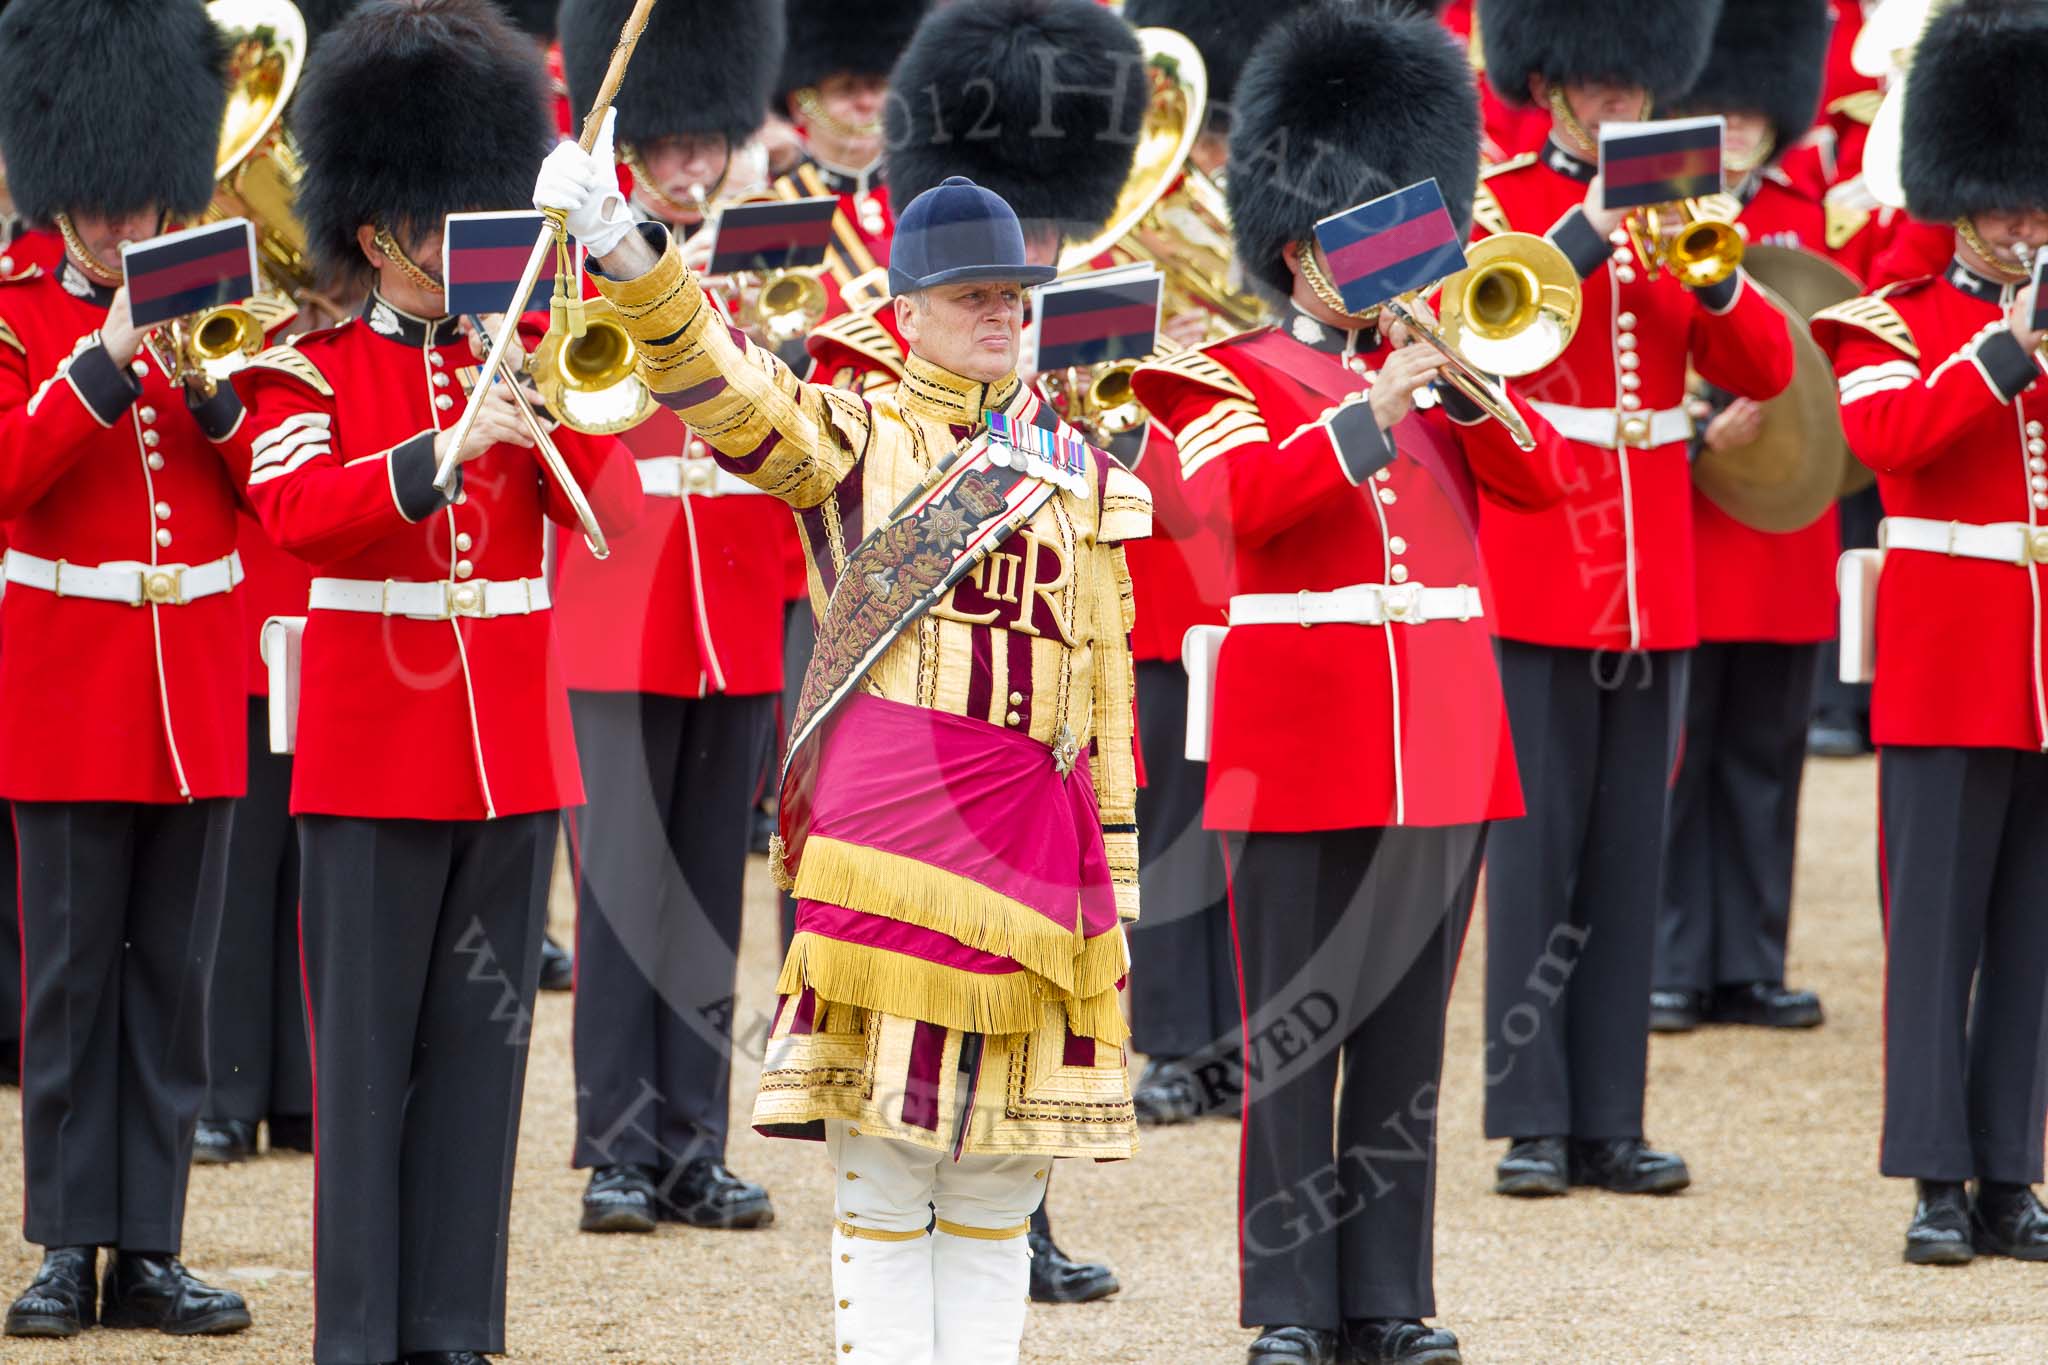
(1223, 31)
(862, 36)
(1973, 102)
(1657, 44)
(1769, 57)
(702, 67)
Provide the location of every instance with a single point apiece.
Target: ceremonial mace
(566, 307)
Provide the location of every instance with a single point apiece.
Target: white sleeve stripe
(278, 450)
(304, 421)
(1872, 388)
(279, 470)
(1892, 368)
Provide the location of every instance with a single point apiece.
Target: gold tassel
(903, 889)
(778, 864)
(1100, 1017)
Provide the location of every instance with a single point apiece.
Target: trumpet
(202, 350)
(1690, 239)
(1096, 399)
(1514, 307)
(590, 382)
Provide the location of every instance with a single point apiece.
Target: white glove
(584, 186)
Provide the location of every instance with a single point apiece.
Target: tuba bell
(1169, 213)
(258, 168)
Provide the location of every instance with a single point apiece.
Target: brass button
(1399, 573)
(463, 542)
(1013, 718)
(463, 568)
(846, 1303)
(1038, 1175)
(696, 449)
(163, 537)
(1387, 496)
(1397, 545)
(440, 381)
(698, 478)
(162, 510)
(161, 587)
(1635, 430)
(462, 497)
(853, 1132)
(434, 359)
(843, 1257)
(443, 401)
(146, 413)
(846, 1347)
(151, 439)
(853, 1175)
(1016, 699)
(465, 597)
(2037, 546)
(156, 461)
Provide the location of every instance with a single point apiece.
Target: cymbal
(1811, 282)
(1794, 470)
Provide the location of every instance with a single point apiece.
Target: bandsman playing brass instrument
(1943, 396)
(672, 650)
(957, 810)
(1354, 834)
(435, 750)
(119, 490)
(1596, 603)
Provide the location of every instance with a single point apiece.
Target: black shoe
(446, 1358)
(709, 1196)
(10, 1061)
(1533, 1168)
(1165, 1095)
(1835, 735)
(1674, 1011)
(1398, 1341)
(223, 1142)
(141, 1289)
(619, 1199)
(1293, 1346)
(60, 1301)
(557, 968)
(1627, 1166)
(1764, 1004)
(291, 1132)
(2007, 1220)
(1940, 1231)
(1058, 1278)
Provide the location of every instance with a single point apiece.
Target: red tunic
(688, 604)
(406, 718)
(102, 701)
(1754, 585)
(1511, 129)
(1959, 660)
(1345, 726)
(1611, 567)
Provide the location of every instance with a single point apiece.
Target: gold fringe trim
(911, 892)
(855, 976)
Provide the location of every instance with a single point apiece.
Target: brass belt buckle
(2036, 551)
(1402, 603)
(467, 599)
(163, 587)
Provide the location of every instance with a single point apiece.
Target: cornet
(206, 348)
(1097, 399)
(1699, 248)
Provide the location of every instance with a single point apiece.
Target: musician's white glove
(585, 187)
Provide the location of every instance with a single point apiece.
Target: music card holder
(482, 257)
(279, 645)
(191, 270)
(1097, 318)
(1660, 162)
(781, 234)
(2040, 322)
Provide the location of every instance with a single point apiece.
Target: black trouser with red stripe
(256, 1019)
(10, 949)
(1966, 962)
(120, 913)
(422, 951)
(1727, 905)
(661, 867)
(1572, 888)
(1349, 941)
(1183, 980)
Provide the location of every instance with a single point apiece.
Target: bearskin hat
(1657, 44)
(535, 16)
(1342, 103)
(321, 15)
(703, 66)
(1769, 57)
(110, 107)
(1974, 89)
(411, 110)
(862, 36)
(1223, 31)
(1041, 101)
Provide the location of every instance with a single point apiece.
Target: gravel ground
(1786, 1247)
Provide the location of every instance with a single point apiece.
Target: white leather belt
(436, 601)
(1362, 604)
(2005, 542)
(1610, 428)
(126, 580)
(671, 476)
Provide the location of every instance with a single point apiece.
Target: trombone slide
(1467, 380)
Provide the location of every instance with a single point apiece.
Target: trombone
(1512, 310)
(1691, 238)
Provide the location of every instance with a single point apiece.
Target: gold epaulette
(8, 338)
(1859, 105)
(859, 332)
(272, 310)
(291, 361)
(1486, 209)
(1193, 365)
(27, 272)
(1844, 222)
(1872, 314)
